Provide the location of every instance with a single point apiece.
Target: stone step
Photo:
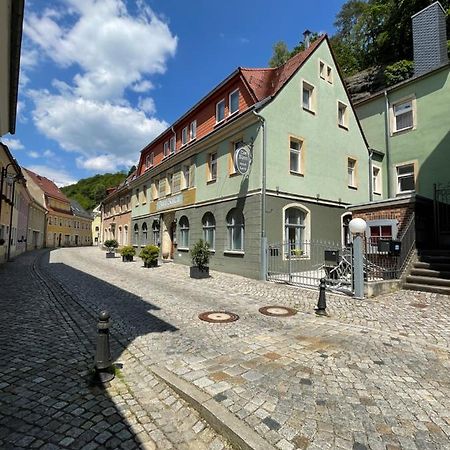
(438, 259)
(430, 273)
(426, 288)
(432, 266)
(434, 252)
(429, 281)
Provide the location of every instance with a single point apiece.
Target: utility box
(395, 247)
(331, 257)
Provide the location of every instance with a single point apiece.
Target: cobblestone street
(372, 375)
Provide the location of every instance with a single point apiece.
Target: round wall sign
(242, 160)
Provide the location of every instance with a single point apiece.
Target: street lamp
(358, 227)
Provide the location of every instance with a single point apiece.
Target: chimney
(429, 39)
(307, 38)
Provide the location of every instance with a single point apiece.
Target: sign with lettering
(169, 202)
(242, 160)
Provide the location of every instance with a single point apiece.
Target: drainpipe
(387, 141)
(10, 221)
(370, 175)
(263, 266)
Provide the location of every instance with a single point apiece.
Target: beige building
(97, 225)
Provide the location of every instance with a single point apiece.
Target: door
(173, 238)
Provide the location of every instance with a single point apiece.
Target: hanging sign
(242, 160)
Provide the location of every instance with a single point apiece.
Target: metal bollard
(322, 303)
(103, 361)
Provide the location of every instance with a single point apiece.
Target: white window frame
(307, 227)
(159, 191)
(184, 136)
(410, 99)
(149, 160)
(344, 107)
(183, 233)
(232, 228)
(397, 176)
(185, 169)
(172, 145)
(209, 227)
(217, 111)
(351, 182)
(322, 69)
(212, 166)
(311, 89)
(193, 130)
(298, 154)
(166, 149)
(329, 74)
(230, 112)
(377, 180)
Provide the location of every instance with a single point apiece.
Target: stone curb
(240, 435)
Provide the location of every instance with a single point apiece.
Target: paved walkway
(46, 400)
(375, 374)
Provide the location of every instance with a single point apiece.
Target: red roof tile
(266, 82)
(47, 186)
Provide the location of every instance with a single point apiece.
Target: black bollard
(103, 362)
(322, 303)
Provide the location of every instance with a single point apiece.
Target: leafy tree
(132, 169)
(280, 54)
(399, 71)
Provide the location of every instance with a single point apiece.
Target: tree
(132, 169)
(280, 54)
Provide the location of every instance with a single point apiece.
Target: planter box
(149, 264)
(127, 258)
(110, 254)
(198, 273)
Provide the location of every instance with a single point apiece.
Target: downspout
(263, 266)
(370, 175)
(387, 133)
(10, 221)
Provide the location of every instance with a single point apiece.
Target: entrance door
(173, 238)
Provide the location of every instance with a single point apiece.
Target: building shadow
(48, 345)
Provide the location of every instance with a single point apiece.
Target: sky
(100, 79)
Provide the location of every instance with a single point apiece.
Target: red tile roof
(47, 186)
(266, 82)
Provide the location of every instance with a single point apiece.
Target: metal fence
(306, 263)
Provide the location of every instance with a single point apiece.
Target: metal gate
(442, 214)
(306, 263)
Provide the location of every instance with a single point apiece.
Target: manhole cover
(218, 316)
(278, 311)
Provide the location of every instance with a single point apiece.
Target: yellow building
(97, 225)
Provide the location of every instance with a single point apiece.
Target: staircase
(431, 273)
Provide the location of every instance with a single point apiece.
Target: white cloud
(147, 104)
(33, 154)
(49, 154)
(142, 86)
(103, 163)
(13, 144)
(58, 176)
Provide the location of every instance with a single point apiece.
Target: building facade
(97, 225)
(189, 183)
(81, 224)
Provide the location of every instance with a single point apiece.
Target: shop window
(235, 226)
(209, 230)
(184, 233)
(294, 232)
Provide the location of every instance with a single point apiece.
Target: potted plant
(127, 253)
(149, 255)
(111, 245)
(200, 259)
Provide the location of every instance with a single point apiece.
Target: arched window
(144, 232)
(184, 232)
(235, 225)
(136, 234)
(209, 229)
(294, 231)
(125, 240)
(155, 231)
(120, 235)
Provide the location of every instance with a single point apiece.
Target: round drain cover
(218, 316)
(277, 311)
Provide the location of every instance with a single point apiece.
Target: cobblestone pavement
(46, 400)
(375, 374)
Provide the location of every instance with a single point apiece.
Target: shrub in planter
(149, 255)
(127, 252)
(111, 245)
(200, 259)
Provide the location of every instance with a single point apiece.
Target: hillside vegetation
(89, 192)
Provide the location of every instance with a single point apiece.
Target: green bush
(399, 71)
(111, 244)
(127, 250)
(200, 254)
(149, 253)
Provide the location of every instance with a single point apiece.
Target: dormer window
(184, 136)
(234, 102)
(172, 145)
(220, 111)
(193, 130)
(166, 148)
(149, 161)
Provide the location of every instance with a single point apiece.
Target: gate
(442, 214)
(306, 263)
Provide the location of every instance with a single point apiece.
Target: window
(161, 187)
(185, 176)
(184, 136)
(184, 232)
(403, 115)
(172, 145)
(220, 111)
(295, 147)
(376, 180)
(307, 96)
(322, 70)
(137, 197)
(212, 167)
(405, 178)
(342, 115)
(144, 232)
(234, 101)
(144, 194)
(209, 230)
(193, 130)
(329, 74)
(235, 226)
(351, 170)
(235, 145)
(125, 241)
(136, 234)
(378, 232)
(155, 231)
(166, 148)
(149, 161)
(294, 231)
(170, 183)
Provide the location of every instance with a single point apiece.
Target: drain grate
(277, 311)
(218, 316)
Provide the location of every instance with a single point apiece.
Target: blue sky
(100, 79)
